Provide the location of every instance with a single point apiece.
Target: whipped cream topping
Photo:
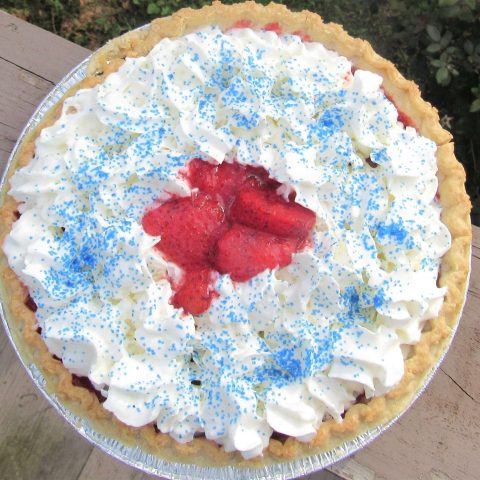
(290, 347)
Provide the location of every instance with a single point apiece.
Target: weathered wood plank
(35, 442)
(476, 242)
(102, 466)
(21, 92)
(32, 61)
(352, 470)
(438, 435)
(459, 366)
(36, 50)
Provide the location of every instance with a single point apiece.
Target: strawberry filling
(402, 117)
(273, 27)
(242, 24)
(264, 210)
(233, 223)
(244, 252)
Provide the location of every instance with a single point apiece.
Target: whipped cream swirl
(292, 346)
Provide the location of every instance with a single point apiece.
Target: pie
(242, 238)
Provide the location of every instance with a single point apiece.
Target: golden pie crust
(453, 274)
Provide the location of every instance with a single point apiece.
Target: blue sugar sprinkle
(379, 298)
(394, 230)
(286, 360)
(350, 299)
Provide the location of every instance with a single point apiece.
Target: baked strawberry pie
(238, 231)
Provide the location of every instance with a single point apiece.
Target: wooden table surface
(437, 439)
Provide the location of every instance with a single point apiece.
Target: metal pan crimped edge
(136, 456)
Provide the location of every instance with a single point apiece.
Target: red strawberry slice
(194, 294)
(226, 179)
(243, 252)
(188, 226)
(269, 212)
(223, 179)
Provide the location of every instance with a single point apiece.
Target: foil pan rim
(150, 463)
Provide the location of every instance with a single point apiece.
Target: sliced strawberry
(188, 226)
(233, 222)
(223, 179)
(226, 179)
(269, 212)
(243, 252)
(194, 293)
(201, 174)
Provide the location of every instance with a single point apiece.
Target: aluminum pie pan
(136, 456)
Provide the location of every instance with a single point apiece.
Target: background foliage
(434, 42)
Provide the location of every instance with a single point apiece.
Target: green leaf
(434, 47)
(434, 33)
(471, 4)
(443, 76)
(452, 12)
(437, 63)
(446, 39)
(446, 3)
(475, 106)
(153, 9)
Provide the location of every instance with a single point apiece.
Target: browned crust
(454, 268)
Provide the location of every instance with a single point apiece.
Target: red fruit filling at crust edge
(233, 223)
(402, 116)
